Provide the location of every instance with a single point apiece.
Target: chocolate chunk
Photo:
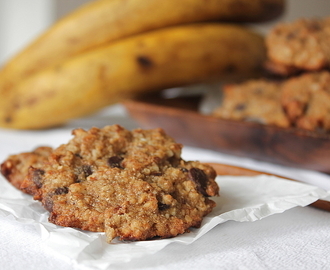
(200, 179)
(240, 107)
(314, 26)
(87, 169)
(61, 190)
(48, 203)
(115, 162)
(37, 176)
(163, 206)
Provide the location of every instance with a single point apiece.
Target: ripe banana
(155, 60)
(104, 21)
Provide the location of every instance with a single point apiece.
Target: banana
(159, 59)
(104, 21)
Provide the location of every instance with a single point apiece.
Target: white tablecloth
(296, 239)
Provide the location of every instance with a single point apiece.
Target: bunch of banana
(112, 49)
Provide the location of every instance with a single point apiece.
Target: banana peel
(105, 21)
(159, 59)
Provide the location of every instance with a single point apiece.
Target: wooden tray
(223, 169)
(180, 118)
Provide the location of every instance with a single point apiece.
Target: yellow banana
(104, 21)
(155, 60)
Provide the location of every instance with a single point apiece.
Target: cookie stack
(298, 53)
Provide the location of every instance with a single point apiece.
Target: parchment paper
(242, 199)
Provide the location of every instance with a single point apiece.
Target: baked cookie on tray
(130, 184)
(302, 45)
(306, 100)
(256, 100)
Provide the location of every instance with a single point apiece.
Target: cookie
(306, 100)
(302, 45)
(129, 184)
(16, 167)
(255, 100)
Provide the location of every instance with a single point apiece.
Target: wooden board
(223, 169)
(180, 119)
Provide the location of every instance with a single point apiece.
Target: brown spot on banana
(109, 21)
(144, 61)
(196, 53)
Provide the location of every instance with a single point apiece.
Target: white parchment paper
(242, 199)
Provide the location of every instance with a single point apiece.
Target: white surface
(21, 22)
(296, 239)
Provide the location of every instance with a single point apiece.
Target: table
(296, 239)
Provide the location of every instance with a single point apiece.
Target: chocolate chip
(144, 61)
(115, 162)
(78, 155)
(291, 35)
(37, 176)
(258, 91)
(314, 27)
(87, 169)
(48, 203)
(61, 190)
(240, 107)
(163, 206)
(200, 179)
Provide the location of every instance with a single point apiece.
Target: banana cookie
(16, 167)
(306, 100)
(302, 45)
(130, 184)
(255, 100)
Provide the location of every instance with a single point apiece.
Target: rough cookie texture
(130, 184)
(306, 99)
(300, 45)
(16, 167)
(301, 102)
(256, 100)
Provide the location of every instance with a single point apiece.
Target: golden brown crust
(130, 184)
(15, 167)
(306, 100)
(299, 45)
(256, 100)
(302, 101)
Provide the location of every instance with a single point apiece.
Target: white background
(22, 20)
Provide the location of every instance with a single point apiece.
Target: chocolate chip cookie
(255, 100)
(129, 184)
(16, 167)
(300, 45)
(306, 100)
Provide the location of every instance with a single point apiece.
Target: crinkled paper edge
(242, 199)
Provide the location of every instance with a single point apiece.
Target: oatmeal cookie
(300, 45)
(16, 167)
(130, 184)
(306, 99)
(255, 100)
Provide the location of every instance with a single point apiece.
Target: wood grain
(223, 169)
(181, 120)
